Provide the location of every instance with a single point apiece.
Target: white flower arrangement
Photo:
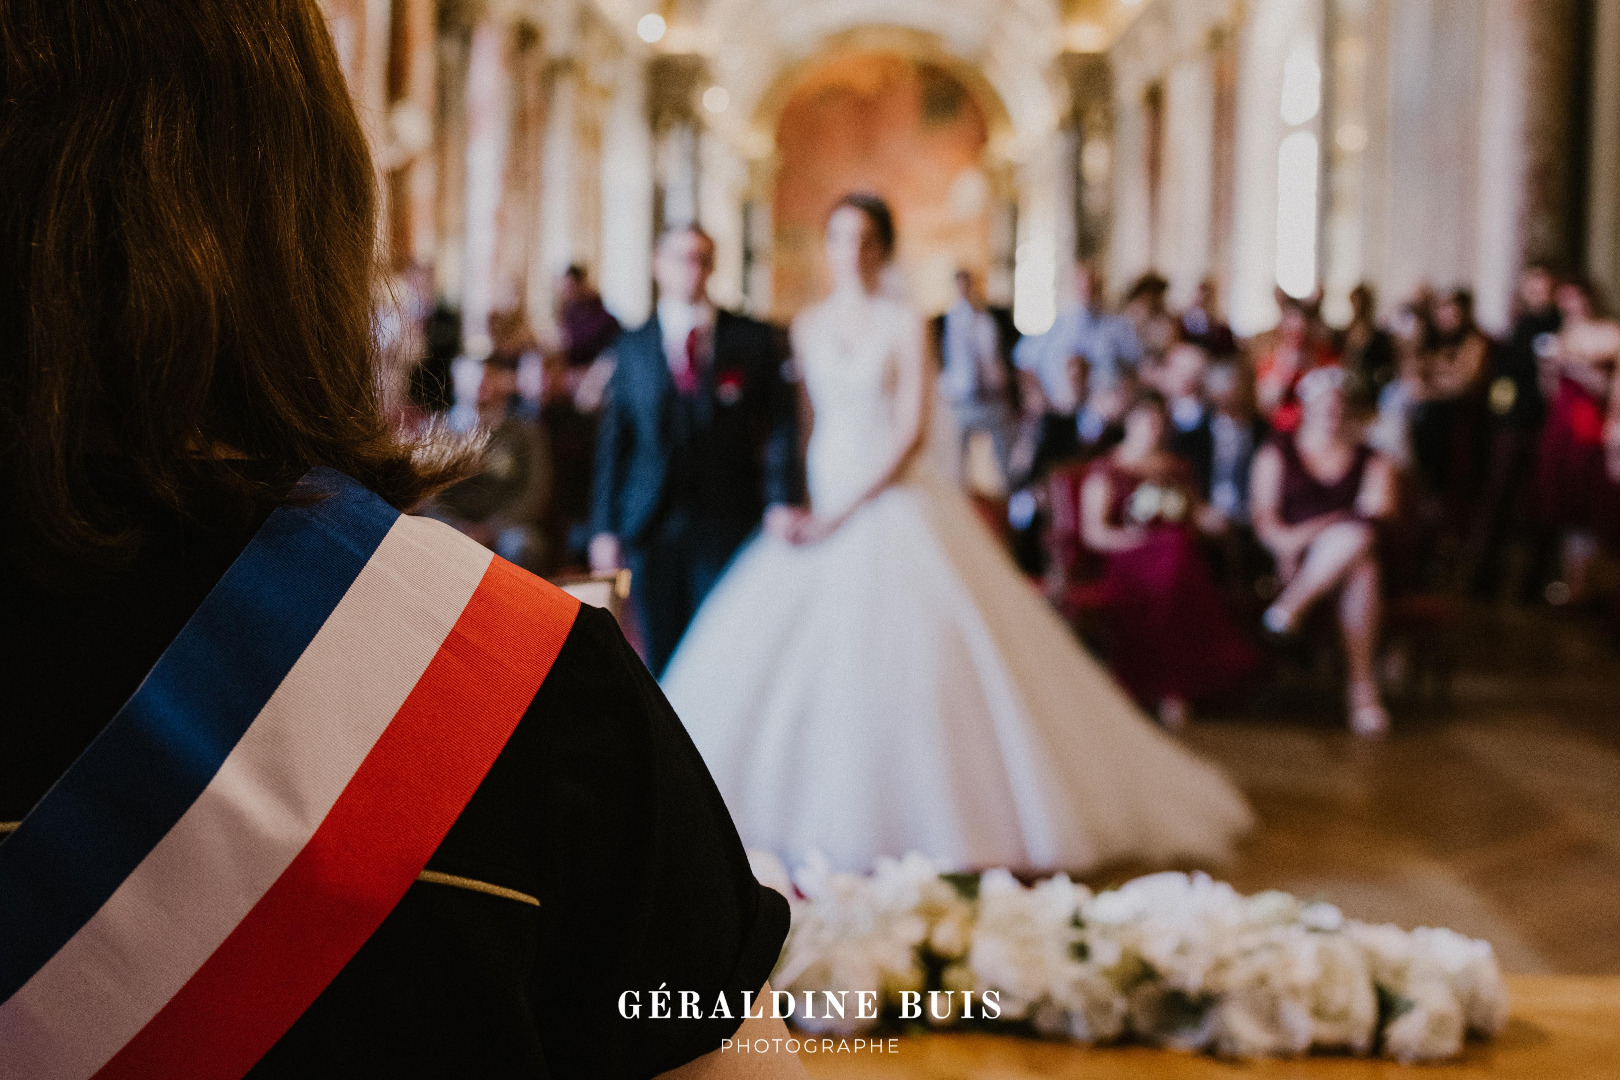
(1173, 960)
(1162, 502)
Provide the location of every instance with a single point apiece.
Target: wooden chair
(610, 591)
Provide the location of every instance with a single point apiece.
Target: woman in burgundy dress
(1172, 641)
(1318, 497)
(1575, 494)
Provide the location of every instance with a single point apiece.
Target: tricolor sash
(258, 807)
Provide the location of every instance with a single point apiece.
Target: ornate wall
(908, 131)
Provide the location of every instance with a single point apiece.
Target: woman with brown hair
(294, 784)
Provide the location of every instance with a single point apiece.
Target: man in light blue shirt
(973, 379)
(1086, 353)
(1107, 342)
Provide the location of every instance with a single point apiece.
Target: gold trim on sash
(434, 877)
(9, 827)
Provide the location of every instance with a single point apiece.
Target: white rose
(1430, 1028)
(1344, 1005)
(1471, 969)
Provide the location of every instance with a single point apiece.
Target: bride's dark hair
(877, 212)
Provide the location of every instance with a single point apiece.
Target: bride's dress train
(900, 687)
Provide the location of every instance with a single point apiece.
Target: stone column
(560, 159)
(1131, 231)
(1527, 143)
(674, 82)
(450, 159)
(678, 171)
(1271, 29)
(1184, 231)
(411, 129)
(1090, 82)
(1353, 117)
(759, 237)
(1603, 207)
(521, 279)
(360, 31)
(1043, 258)
(489, 99)
(722, 190)
(625, 276)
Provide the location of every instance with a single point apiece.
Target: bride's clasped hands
(796, 525)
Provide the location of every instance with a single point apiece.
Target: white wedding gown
(900, 686)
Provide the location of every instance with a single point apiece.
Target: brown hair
(877, 212)
(187, 258)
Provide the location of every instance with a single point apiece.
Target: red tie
(686, 376)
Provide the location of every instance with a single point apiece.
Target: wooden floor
(1497, 814)
(1563, 1028)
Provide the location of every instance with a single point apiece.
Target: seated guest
(587, 327)
(1182, 383)
(1145, 308)
(1100, 423)
(294, 784)
(1236, 434)
(1202, 324)
(1318, 496)
(1517, 411)
(1295, 352)
(504, 504)
(1171, 640)
(1452, 365)
(1086, 351)
(1576, 495)
(1366, 349)
(973, 378)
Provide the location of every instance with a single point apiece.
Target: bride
(874, 677)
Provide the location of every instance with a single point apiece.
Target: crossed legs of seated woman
(1342, 564)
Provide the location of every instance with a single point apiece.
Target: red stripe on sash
(377, 838)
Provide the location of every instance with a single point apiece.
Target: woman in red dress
(1172, 640)
(1575, 494)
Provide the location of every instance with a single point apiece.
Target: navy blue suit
(682, 479)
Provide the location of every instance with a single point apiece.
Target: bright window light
(1296, 214)
(651, 28)
(1034, 286)
(1302, 84)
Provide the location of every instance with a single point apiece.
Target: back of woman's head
(187, 246)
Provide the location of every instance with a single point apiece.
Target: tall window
(1298, 165)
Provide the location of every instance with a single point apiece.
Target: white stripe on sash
(272, 793)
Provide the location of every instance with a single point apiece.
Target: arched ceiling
(750, 45)
(1012, 42)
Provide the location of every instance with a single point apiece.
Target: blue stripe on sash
(161, 750)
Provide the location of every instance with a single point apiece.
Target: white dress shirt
(676, 321)
(970, 351)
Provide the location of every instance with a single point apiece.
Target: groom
(696, 444)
